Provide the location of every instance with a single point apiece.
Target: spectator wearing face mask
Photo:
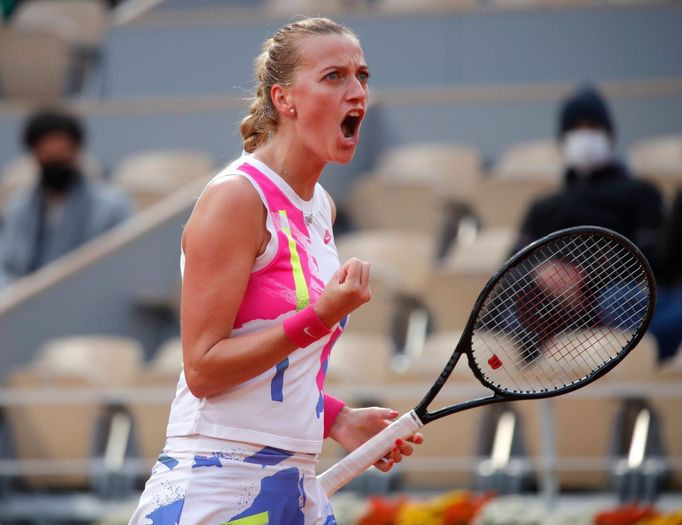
(598, 188)
(64, 209)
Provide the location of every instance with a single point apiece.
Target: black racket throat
(422, 409)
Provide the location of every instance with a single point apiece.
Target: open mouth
(351, 123)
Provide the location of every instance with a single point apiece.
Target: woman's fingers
(384, 464)
(353, 272)
(401, 448)
(364, 277)
(417, 439)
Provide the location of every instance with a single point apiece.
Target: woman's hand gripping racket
(559, 314)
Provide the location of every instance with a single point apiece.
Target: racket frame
(362, 457)
(464, 344)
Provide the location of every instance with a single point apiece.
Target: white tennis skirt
(206, 481)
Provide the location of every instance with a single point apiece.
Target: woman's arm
(221, 241)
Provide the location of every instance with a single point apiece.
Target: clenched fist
(346, 290)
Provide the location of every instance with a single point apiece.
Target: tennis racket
(556, 316)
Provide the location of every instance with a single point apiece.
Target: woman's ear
(282, 100)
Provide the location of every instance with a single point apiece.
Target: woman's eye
(363, 76)
(334, 75)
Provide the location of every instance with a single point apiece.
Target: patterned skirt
(206, 481)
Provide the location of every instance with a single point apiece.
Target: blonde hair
(276, 65)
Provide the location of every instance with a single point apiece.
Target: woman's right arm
(220, 242)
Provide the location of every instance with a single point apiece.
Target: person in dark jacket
(598, 188)
(666, 325)
(64, 209)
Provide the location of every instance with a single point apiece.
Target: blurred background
(119, 112)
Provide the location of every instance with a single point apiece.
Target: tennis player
(264, 299)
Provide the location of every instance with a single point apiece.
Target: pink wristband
(304, 327)
(332, 407)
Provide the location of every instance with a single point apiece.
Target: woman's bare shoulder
(229, 206)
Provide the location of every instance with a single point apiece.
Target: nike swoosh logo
(306, 331)
(327, 237)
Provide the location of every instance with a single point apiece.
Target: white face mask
(586, 149)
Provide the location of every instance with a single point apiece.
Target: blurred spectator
(667, 322)
(598, 188)
(64, 209)
(8, 7)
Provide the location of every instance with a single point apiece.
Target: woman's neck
(293, 163)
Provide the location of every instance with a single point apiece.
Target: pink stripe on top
(271, 290)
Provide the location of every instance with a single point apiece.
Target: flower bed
(466, 508)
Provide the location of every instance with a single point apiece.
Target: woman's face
(329, 91)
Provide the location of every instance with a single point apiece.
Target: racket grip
(368, 453)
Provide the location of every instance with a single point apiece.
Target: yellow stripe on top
(261, 518)
(302, 293)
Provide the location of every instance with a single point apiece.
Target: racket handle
(368, 453)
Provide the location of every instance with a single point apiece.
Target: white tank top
(283, 407)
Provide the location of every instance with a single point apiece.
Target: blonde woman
(264, 300)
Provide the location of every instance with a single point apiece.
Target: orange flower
(381, 511)
(463, 512)
(625, 515)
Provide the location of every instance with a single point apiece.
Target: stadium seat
(397, 274)
(451, 289)
(403, 259)
(361, 360)
(502, 202)
(659, 160)
(422, 5)
(42, 431)
(383, 203)
(538, 159)
(450, 294)
(453, 170)
(168, 358)
(150, 417)
(294, 7)
(83, 23)
(148, 177)
(34, 65)
(438, 348)
(486, 251)
(669, 409)
(523, 173)
(376, 315)
(583, 425)
(109, 361)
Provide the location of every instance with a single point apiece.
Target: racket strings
(551, 347)
(508, 301)
(561, 303)
(528, 283)
(565, 310)
(526, 278)
(564, 302)
(559, 324)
